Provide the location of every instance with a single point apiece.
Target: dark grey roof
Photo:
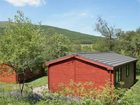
(109, 58)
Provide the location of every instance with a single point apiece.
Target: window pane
(127, 70)
(117, 79)
(118, 74)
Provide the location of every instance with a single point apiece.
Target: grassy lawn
(7, 87)
(133, 95)
(136, 90)
(39, 82)
(4, 87)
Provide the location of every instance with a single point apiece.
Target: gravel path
(39, 90)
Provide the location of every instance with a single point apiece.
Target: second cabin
(97, 67)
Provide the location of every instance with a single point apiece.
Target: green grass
(132, 96)
(7, 87)
(136, 90)
(39, 82)
(13, 101)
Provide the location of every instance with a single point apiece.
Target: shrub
(13, 101)
(84, 94)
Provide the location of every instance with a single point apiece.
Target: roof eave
(58, 60)
(81, 58)
(124, 63)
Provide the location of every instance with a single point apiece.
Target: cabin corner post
(110, 71)
(135, 71)
(49, 77)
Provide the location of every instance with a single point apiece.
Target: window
(127, 70)
(118, 75)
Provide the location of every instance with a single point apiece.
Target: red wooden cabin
(98, 68)
(9, 75)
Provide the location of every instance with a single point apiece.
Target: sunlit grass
(7, 87)
(39, 82)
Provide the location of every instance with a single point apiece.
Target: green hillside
(75, 37)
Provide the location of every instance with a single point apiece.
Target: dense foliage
(24, 45)
(128, 43)
(56, 46)
(21, 45)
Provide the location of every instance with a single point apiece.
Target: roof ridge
(95, 52)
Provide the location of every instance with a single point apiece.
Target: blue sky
(76, 15)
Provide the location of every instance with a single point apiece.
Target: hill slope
(75, 37)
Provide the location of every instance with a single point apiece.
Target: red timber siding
(78, 71)
(90, 72)
(7, 74)
(61, 73)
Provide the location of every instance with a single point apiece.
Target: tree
(21, 45)
(101, 45)
(108, 33)
(58, 45)
(129, 44)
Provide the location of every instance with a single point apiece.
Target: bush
(75, 94)
(84, 94)
(13, 101)
(57, 99)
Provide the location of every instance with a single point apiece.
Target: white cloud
(83, 14)
(22, 3)
(86, 14)
(75, 14)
